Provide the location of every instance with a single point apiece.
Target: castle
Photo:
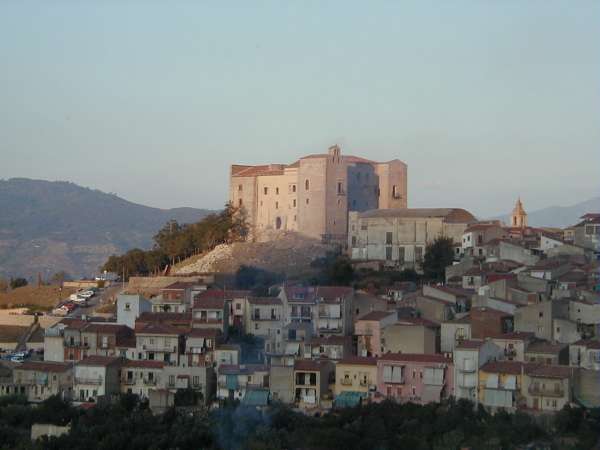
(314, 194)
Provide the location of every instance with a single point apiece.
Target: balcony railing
(95, 381)
(546, 392)
(159, 348)
(365, 383)
(346, 381)
(128, 381)
(150, 382)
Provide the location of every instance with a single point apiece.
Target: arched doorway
(278, 223)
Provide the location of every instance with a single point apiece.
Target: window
(172, 380)
(388, 238)
(294, 203)
(276, 205)
(353, 241)
(388, 253)
(196, 380)
(307, 201)
(418, 254)
(256, 326)
(293, 188)
(240, 202)
(127, 306)
(340, 188)
(239, 187)
(401, 255)
(541, 314)
(276, 191)
(396, 192)
(306, 185)
(266, 190)
(238, 306)
(589, 229)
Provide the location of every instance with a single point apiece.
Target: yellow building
(500, 384)
(356, 374)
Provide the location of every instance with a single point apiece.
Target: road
(101, 298)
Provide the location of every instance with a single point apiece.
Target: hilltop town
(448, 307)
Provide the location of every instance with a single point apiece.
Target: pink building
(368, 331)
(416, 378)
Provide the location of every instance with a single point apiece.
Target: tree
(60, 277)
(17, 283)
(439, 255)
(3, 285)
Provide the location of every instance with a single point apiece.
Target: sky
(485, 100)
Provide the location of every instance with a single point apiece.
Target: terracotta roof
(167, 317)
(359, 361)
(204, 333)
(157, 328)
(508, 367)
(544, 371)
(126, 341)
(264, 301)
(106, 328)
(215, 298)
(103, 361)
(333, 292)
(255, 171)
(589, 343)
(450, 215)
(545, 347)
(302, 294)
(146, 364)
(178, 286)
(481, 227)
(241, 369)
(376, 315)
(75, 324)
(44, 366)
(415, 357)
(418, 321)
(308, 365)
(469, 344)
(516, 336)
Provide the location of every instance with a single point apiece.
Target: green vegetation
(17, 283)
(257, 280)
(334, 268)
(438, 255)
(175, 242)
(129, 425)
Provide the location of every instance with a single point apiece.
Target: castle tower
(518, 218)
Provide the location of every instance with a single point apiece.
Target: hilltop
(48, 226)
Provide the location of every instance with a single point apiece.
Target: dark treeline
(129, 425)
(175, 242)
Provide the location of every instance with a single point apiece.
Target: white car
(86, 294)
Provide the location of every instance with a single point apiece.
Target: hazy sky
(484, 100)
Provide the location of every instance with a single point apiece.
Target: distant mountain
(558, 216)
(51, 226)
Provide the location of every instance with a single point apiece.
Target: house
(512, 250)
(487, 322)
(369, 331)
(416, 378)
(130, 307)
(586, 313)
(159, 342)
(331, 347)
(399, 237)
(104, 339)
(182, 321)
(211, 310)
(234, 380)
(585, 354)
(538, 318)
(281, 382)
(283, 348)
(412, 335)
(587, 232)
(364, 303)
(461, 298)
(175, 297)
(311, 383)
(264, 315)
(229, 354)
(474, 278)
(201, 379)
(334, 311)
(299, 304)
(40, 380)
(139, 377)
(468, 357)
(547, 353)
(97, 376)
(200, 345)
(453, 332)
(513, 344)
(477, 235)
(548, 387)
(501, 385)
(436, 309)
(356, 374)
(549, 269)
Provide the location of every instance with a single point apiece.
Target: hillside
(50, 226)
(558, 216)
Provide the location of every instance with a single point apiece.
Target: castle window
(294, 203)
(307, 201)
(294, 218)
(306, 185)
(293, 188)
(395, 192)
(340, 188)
(266, 190)
(240, 202)
(276, 191)
(276, 205)
(239, 187)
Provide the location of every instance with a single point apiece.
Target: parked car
(17, 359)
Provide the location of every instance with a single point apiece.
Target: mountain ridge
(47, 226)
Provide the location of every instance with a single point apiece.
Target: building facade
(314, 194)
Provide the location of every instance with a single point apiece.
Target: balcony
(557, 391)
(128, 381)
(159, 348)
(92, 381)
(365, 383)
(346, 382)
(468, 366)
(150, 381)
